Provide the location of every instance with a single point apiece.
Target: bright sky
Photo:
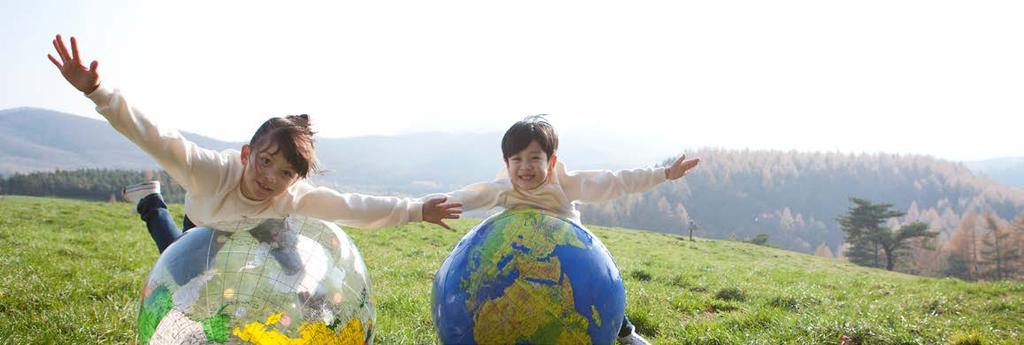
(943, 78)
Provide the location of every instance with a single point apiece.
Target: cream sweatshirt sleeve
(477, 196)
(198, 170)
(358, 210)
(603, 185)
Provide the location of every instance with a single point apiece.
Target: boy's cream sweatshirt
(211, 179)
(559, 193)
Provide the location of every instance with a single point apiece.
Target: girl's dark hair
(531, 128)
(292, 136)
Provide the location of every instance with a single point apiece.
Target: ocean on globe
(528, 277)
(259, 281)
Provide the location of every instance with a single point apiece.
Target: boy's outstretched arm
(70, 65)
(603, 185)
(437, 210)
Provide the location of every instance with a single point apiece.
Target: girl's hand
(83, 79)
(437, 210)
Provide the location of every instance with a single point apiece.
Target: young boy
(265, 179)
(534, 178)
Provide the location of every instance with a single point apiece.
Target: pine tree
(875, 245)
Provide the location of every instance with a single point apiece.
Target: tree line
(87, 184)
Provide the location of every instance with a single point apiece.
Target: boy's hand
(437, 210)
(70, 65)
(680, 167)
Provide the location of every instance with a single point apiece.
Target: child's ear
(246, 150)
(553, 161)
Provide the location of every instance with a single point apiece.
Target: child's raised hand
(680, 167)
(437, 210)
(70, 65)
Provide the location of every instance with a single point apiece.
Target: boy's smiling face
(529, 168)
(267, 173)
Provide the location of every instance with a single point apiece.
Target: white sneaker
(137, 191)
(633, 339)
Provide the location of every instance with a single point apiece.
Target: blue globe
(526, 276)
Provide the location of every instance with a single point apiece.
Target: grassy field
(70, 273)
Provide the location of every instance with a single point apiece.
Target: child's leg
(627, 327)
(162, 228)
(628, 335)
(164, 231)
(153, 210)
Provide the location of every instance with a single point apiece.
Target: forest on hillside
(794, 198)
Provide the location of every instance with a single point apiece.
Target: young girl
(265, 179)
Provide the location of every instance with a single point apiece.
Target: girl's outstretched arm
(193, 167)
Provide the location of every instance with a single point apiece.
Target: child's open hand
(680, 167)
(83, 79)
(437, 210)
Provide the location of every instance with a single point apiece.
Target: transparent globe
(260, 281)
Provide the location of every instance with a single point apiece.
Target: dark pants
(162, 228)
(164, 231)
(627, 327)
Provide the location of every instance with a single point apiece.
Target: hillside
(72, 270)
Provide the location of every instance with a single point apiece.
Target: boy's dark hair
(531, 128)
(292, 136)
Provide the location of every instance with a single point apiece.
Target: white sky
(943, 78)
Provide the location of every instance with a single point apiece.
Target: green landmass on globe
(527, 241)
(159, 303)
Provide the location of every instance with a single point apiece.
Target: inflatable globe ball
(526, 276)
(259, 281)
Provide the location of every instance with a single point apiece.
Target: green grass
(72, 271)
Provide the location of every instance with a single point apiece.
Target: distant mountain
(33, 139)
(1009, 171)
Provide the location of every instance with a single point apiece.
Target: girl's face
(266, 175)
(529, 168)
